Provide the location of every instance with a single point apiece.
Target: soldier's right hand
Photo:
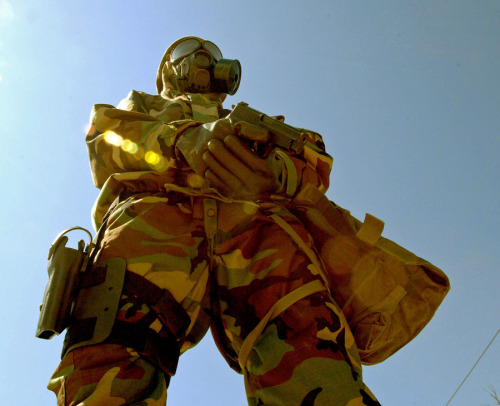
(193, 142)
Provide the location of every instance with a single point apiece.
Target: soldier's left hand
(237, 172)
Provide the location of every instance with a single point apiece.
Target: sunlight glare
(113, 138)
(130, 147)
(152, 158)
(195, 181)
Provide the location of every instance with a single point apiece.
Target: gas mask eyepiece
(189, 45)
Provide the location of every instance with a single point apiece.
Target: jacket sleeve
(129, 138)
(312, 166)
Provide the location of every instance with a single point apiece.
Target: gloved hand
(193, 142)
(237, 172)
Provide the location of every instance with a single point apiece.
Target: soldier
(198, 232)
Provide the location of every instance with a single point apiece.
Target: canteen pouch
(63, 268)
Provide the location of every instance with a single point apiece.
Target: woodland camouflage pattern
(120, 376)
(226, 262)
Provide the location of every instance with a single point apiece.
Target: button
(211, 212)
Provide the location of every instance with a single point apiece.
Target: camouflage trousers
(228, 265)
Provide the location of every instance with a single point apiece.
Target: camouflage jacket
(132, 147)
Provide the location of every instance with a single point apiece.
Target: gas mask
(200, 68)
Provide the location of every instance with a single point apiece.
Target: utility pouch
(387, 293)
(65, 265)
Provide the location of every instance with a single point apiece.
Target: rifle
(282, 135)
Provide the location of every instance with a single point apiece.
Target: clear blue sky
(406, 95)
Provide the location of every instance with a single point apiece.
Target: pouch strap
(303, 247)
(286, 301)
(280, 306)
(92, 323)
(370, 230)
(169, 311)
(291, 180)
(173, 316)
(163, 351)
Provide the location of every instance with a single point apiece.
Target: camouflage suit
(229, 264)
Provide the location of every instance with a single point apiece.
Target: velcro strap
(95, 277)
(371, 230)
(163, 351)
(291, 173)
(169, 311)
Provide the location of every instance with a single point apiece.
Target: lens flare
(249, 208)
(113, 138)
(152, 158)
(195, 181)
(130, 147)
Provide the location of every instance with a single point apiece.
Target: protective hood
(166, 88)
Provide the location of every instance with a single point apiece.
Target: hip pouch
(387, 293)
